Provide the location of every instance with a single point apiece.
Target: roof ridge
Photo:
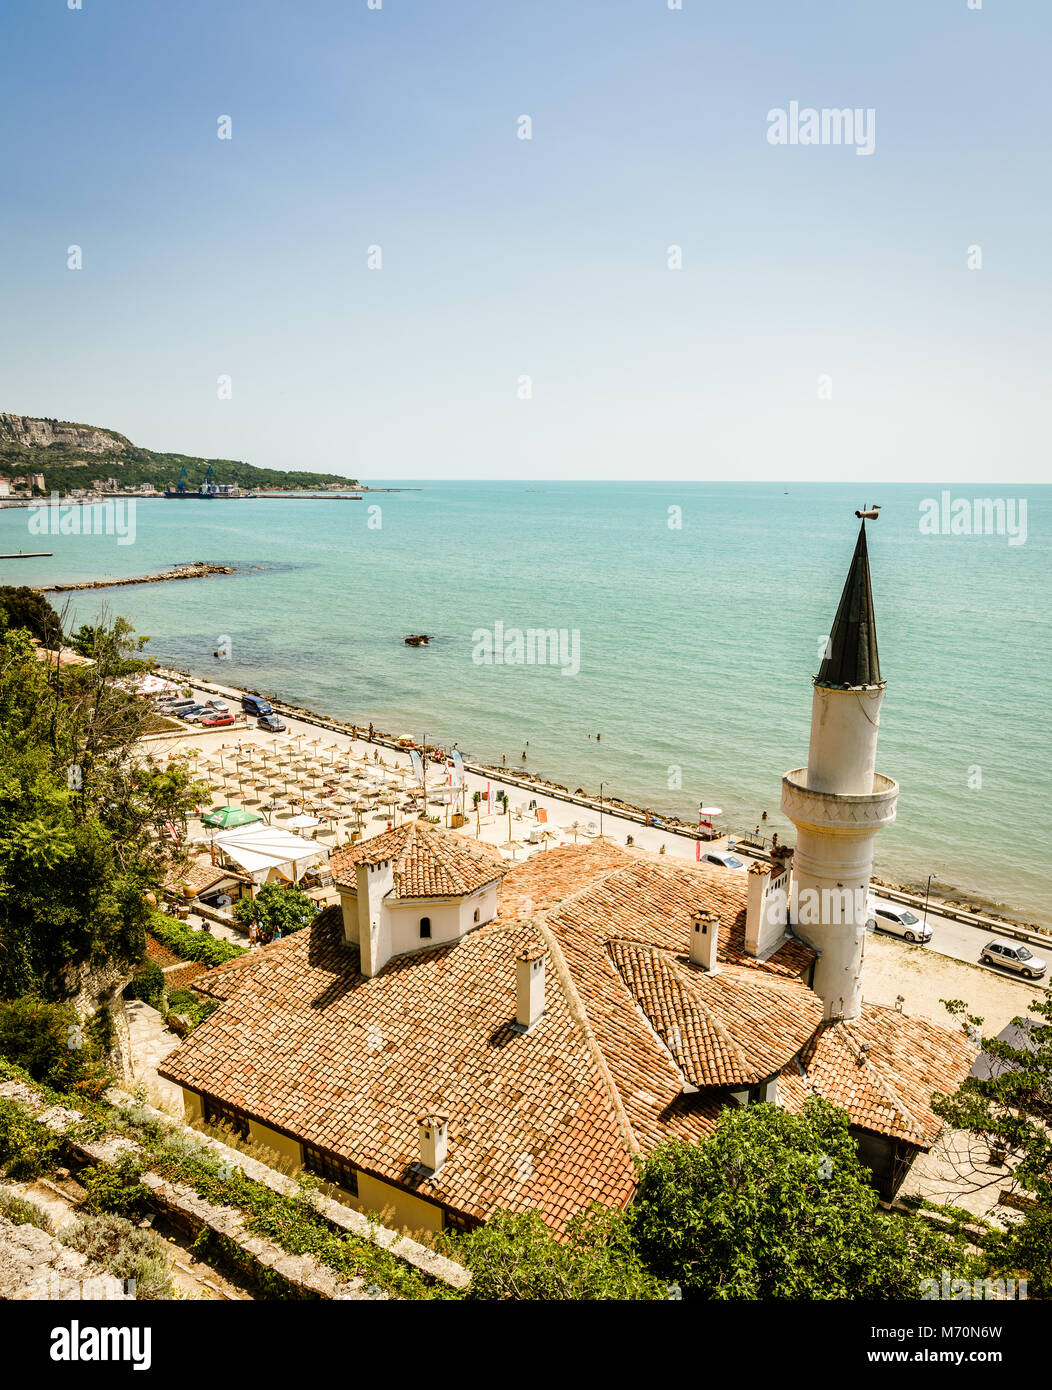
(876, 1076)
(668, 962)
(683, 977)
(580, 1016)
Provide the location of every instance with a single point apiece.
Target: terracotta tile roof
(307, 1045)
(428, 862)
(883, 1068)
(632, 1049)
(649, 899)
(200, 877)
(735, 1028)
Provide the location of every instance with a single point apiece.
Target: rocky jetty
(199, 569)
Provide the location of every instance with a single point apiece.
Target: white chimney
(759, 877)
(705, 940)
(529, 987)
(432, 1132)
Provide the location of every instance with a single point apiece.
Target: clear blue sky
(504, 257)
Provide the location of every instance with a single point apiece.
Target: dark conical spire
(851, 657)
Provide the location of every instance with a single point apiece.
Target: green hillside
(71, 455)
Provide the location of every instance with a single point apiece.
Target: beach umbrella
(226, 817)
(576, 830)
(513, 845)
(547, 835)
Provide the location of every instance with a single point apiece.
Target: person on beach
(504, 760)
(370, 732)
(764, 816)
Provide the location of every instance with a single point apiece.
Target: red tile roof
(307, 1045)
(428, 863)
(883, 1069)
(636, 1045)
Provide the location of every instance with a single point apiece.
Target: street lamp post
(601, 786)
(926, 892)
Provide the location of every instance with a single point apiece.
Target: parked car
(723, 859)
(1013, 955)
(220, 706)
(174, 706)
(255, 704)
(215, 720)
(272, 723)
(899, 920)
(193, 714)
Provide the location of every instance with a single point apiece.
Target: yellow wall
(279, 1143)
(192, 1107)
(373, 1195)
(412, 1212)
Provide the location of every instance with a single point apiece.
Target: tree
(83, 817)
(276, 910)
(1010, 1111)
(778, 1206)
(518, 1257)
(24, 607)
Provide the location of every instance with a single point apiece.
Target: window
(425, 926)
(224, 1116)
(476, 914)
(335, 1170)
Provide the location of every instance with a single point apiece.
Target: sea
(691, 616)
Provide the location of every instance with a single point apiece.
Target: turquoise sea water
(697, 644)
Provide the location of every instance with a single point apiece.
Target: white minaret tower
(839, 801)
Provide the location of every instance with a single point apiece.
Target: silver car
(1013, 955)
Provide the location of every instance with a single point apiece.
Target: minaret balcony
(833, 813)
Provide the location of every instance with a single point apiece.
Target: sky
(826, 322)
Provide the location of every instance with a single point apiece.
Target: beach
(541, 814)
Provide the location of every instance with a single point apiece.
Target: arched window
(425, 926)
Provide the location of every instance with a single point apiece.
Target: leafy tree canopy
(775, 1205)
(83, 816)
(1011, 1111)
(276, 909)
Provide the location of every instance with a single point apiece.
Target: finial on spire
(851, 653)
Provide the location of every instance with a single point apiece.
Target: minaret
(839, 801)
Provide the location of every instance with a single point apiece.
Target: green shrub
(115, 1187)
(188, 944)
(124, 1251)
(516, 1257)
(147, 985)
(27, 1148)
(190, 1006)
(54, 1046)
(24, 1213)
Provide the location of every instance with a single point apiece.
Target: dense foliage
(184, 941)
(52, 1044)
(24, 607)
(1011, 1112)
(775, 1205)
(276, 910)
(83, 819)
(518, 1257)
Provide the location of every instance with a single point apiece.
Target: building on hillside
(460, 1037)
(5, 487)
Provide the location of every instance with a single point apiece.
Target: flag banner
(418, 766)
(458, 769)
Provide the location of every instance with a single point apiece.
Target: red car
(217, 721)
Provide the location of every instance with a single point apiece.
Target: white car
(1013, 955)
(899, 920)
(723, 859)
